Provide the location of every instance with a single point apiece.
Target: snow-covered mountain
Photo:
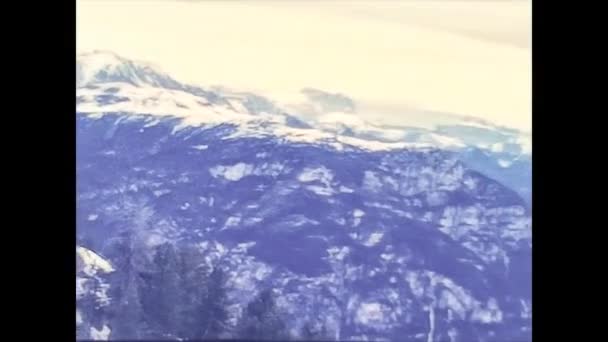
(108, 83)
(374, 232)
(107, 67)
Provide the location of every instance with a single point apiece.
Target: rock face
(92, 294)
(400, 242)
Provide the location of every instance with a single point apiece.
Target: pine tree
(126, 312)
(161, 293)
(213, 310)
(82, 331)
(203, 310)
(120, 251)
(317, 332)
(128, 320)
(261, 319)
(194, 282)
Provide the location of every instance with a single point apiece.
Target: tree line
(177, 295)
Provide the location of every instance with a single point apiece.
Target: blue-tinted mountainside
(347, 238)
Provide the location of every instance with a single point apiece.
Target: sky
(464, 57)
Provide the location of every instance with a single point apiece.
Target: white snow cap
(90, 65)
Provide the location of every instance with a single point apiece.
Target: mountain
(371, 232)
(110, 83)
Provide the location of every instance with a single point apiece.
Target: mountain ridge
(118, 69)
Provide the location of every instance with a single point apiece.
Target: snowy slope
(110, 83)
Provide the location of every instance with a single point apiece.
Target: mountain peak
(103, 66)
(106, 58)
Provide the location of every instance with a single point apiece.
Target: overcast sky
(463, 57)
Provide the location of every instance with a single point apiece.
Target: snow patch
(526, 311)
(490, 314)
(504, 163)
(470, 183)
(369, 313)
(346, 190)
(371, 181)
(358, 213)
(373, 239)
(497, 147)
(232, 172)
(266, 169)
(80, 287)
(101, 295)
(321, 174)
(100, 335)
(232, 221)
(338, 253)
(244, 246)
(155, 239)
(387, 257)
(78, 317)
(452, 334)
(319, 190)
(159, 193)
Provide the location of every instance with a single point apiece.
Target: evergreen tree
(194, 282)
(203, 310)
(82, 331)
(261, 319)
(126, 312)
(161, 293)
(317, 332)
(213, 310)
(120, 251)
(128, 320)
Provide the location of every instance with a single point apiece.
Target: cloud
(498, 21)
(458, 59)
